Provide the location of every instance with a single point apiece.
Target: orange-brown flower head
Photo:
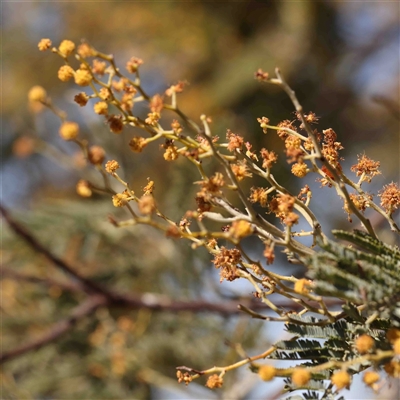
(137, 144)
(261, 76)
(65, 73)
(392, 368)
(96, 155)
(393, 334)
(81, 98)
(241, 170)
(285, 124)
(127, 101)
(69, 130)
(44, 44)
(156, 104)
(147, 204)
(282, 205)
(82, 77)
(66, 48)
(301, 376)
(269, 158)
(311, 118)
(259, 195)
(390, 197)
(226, 260)
(341, 379)
(133, 64)
(214, 184)
(366, 167)
(267, 372)
(37, 93)
(83, 188)
(235, 141)
(115, 123)
(269, 253)
(214, 382)
(23, 147)
(120, 85)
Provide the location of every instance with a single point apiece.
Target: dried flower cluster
(307, 150)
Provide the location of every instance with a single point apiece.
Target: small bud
(214, 382)
(66, 47)
(44, 44)
(341, 379)
(301, 376)
(83, 188)
(65, 73)
(82, 77)
(37, 93)
(111, 166)
(364, 344)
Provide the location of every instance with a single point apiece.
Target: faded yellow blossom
(302, 286)
(37, 93)
(214, 382)
(133, 64)
(137, 144)
(101, 108)
(66, 47)
(96, 155)
(301, 376)
(82, 77)
(84, 50)
(364, 343)
(98, 67)
(111, 166)
(171, 153)
(69, 130)
(341, 379)
(300, 169)
(120, 199)
(44, 44)
(83, 188)
(390, 197)
(147, 204)
(267, 372)
(240, 229)
(65, 73)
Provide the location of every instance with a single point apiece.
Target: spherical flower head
(302, 286)
(133, 64)
(235, 141)
(105, 94)
(259, 195)
(364, 343)
(82, 77)
(81, 99)
(115, 123)
(83, 188)
(390, 197)
(171, 153)
(111, 166)
(269, 158)
(341, 379)
(69, 130)
(267, 372)
(37, 93)
(120, 199)
(99, 67)
(301, 376)
(66, 47)
(96, 155)
(101, 108)
(153, 118)
(156, 104)
(366, 167)
(44, 44)
(392, 368)
(299, 169)
(65, 73)
(214, 382)
(137, 144)
(370, 378)
(184, 377)
(146, 204)
(240, 229)
(393, 334)
(84, 50)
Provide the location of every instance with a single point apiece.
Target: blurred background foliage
(339, 57)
